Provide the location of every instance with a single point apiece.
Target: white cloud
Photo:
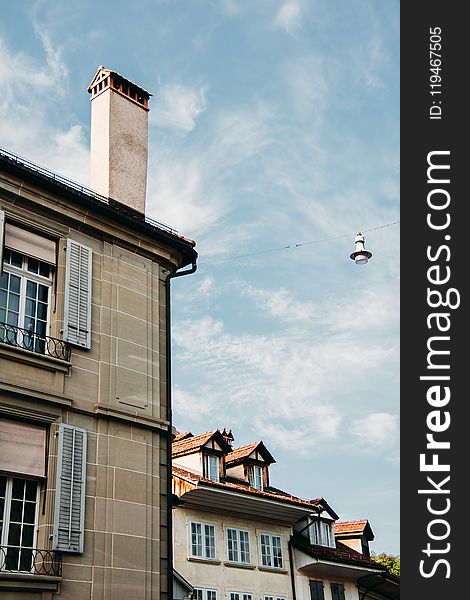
(289, 16)
(280, 304)
(189, 188)
(273, 383)
(179, 106)
(377, 429)
(29, 87)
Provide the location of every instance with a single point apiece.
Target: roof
(342, 553)
(90, 200)
(238, 455)
(193, 443)
(243, 488)
(349, 528)
(385, 585)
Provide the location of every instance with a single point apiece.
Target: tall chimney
(119, 138)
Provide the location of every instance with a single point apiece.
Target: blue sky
(273, 123)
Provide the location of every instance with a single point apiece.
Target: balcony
(17, 559)
(28, 340)
(29, 570)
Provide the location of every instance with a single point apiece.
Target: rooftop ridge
(69, 183)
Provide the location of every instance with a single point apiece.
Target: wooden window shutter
(77, 304)
(316, 590)
(337, 591)
(69, 514)
(2, 236)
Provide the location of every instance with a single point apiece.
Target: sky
(272, 123)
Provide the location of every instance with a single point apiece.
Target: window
(211, 467)
(238, 545)
(271, 551)
(202, 540)
(316, 590)
(274, 597)
(18, 518)
(256, 477)
(24, 301)
(240, 596)
(322, 533)
(337, 591)
(203, 594)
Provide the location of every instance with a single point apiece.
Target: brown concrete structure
(84, 416)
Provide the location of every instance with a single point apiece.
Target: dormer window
(211, 467)
(322, 533)
(256, 477)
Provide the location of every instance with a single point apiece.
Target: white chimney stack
(119, 138)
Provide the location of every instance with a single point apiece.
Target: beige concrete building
(236, 537)
(85, 421)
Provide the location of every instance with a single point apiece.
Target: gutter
(169, 437)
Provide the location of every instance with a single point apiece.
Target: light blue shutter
(69, 514)
(2, 238)
(77, 304)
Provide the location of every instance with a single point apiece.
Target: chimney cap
(107, 78)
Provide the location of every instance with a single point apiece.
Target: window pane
(29, 512)
(28, 536)
(33, 265)
(31, 289)
(16, 511)
(209, 541)
(31, 489)
(18, 488)
(26, 560)
(14, 534)
(16, 259)
(44, 269)
(43, 293)
(12, 559)
(14, 284)
(30, 308)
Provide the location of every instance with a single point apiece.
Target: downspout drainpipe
(292, 573)
(169, 418)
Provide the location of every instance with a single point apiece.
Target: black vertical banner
(435, 243)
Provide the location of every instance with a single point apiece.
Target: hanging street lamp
(360, 255)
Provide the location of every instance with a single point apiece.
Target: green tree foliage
(390, 561)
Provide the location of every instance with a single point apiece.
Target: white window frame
(271, 559)
(206, 594)
(6, 517)
(24, 275)
(273, 597)
(240, 596)
(321, 533)
(211, 465)
(206, 552)
(256, 477)
(241, 556)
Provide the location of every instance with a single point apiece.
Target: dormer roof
(256, 450)
(349, 529)
(195, 443)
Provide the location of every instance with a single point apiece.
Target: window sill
(207, 561)
(25, 582)
(237, 565)
(35, 359)
(272, 569)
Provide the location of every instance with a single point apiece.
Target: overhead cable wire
(298, 245)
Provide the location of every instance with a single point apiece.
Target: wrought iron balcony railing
(28, 340)
(17, 559)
